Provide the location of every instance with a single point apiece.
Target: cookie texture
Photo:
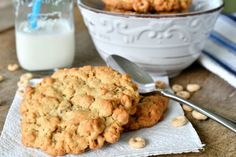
(150, 110)
(77, 109)
(148, 6)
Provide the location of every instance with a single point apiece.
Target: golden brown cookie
(150, 110)
(122, 11)
(77, 109)
(146, 6)
(117, 10)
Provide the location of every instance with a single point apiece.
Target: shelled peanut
(186, 94)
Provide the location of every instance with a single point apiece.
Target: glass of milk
(51, 44)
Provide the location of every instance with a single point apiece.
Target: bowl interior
(96, 4)
(198, 7)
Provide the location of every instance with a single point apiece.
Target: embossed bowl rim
(219, 8)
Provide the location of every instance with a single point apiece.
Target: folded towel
(219, 54)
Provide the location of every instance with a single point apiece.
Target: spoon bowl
(147, 85)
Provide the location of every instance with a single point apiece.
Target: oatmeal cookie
(150, 110)
(146, 6)
(77, 109)
(117, 10)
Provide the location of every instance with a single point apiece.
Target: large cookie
(77, 109)
(147, 6)
(150, 111)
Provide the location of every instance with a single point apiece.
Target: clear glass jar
(51, 43)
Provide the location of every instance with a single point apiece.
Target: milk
(51, 46)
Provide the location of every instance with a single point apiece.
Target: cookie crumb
(177, 88)
(198, 116)
(21, 92)
(193, 87)
(150, 111)
(13, 67)
(23, 83)
(137, 142)
(179, 121)
(160, 84)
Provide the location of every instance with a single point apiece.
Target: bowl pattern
(160, 45)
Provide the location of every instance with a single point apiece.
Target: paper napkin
(162, 138)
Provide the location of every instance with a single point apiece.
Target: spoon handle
(220, 119)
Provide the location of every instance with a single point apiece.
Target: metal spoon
(147, 85)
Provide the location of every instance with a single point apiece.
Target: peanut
(198, 116)
(183, 94)
(187, 108)
(13, 67)
(193, 87)
(26, 76)
(1, 78)
(179, 121)
(177, 88)
(137, 142)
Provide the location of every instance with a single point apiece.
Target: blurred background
(230, 6)
(7, 14)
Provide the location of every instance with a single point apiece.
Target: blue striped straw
(35, 12)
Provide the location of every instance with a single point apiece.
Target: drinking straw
(36, 8)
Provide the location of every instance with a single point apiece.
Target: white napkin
(161, 138)
(219, 55)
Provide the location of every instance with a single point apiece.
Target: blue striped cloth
(219, 54)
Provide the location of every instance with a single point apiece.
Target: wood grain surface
(6, 15)
(215, 94)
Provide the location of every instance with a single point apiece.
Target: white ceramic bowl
(161, 44)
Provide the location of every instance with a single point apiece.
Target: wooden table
(215, 94)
